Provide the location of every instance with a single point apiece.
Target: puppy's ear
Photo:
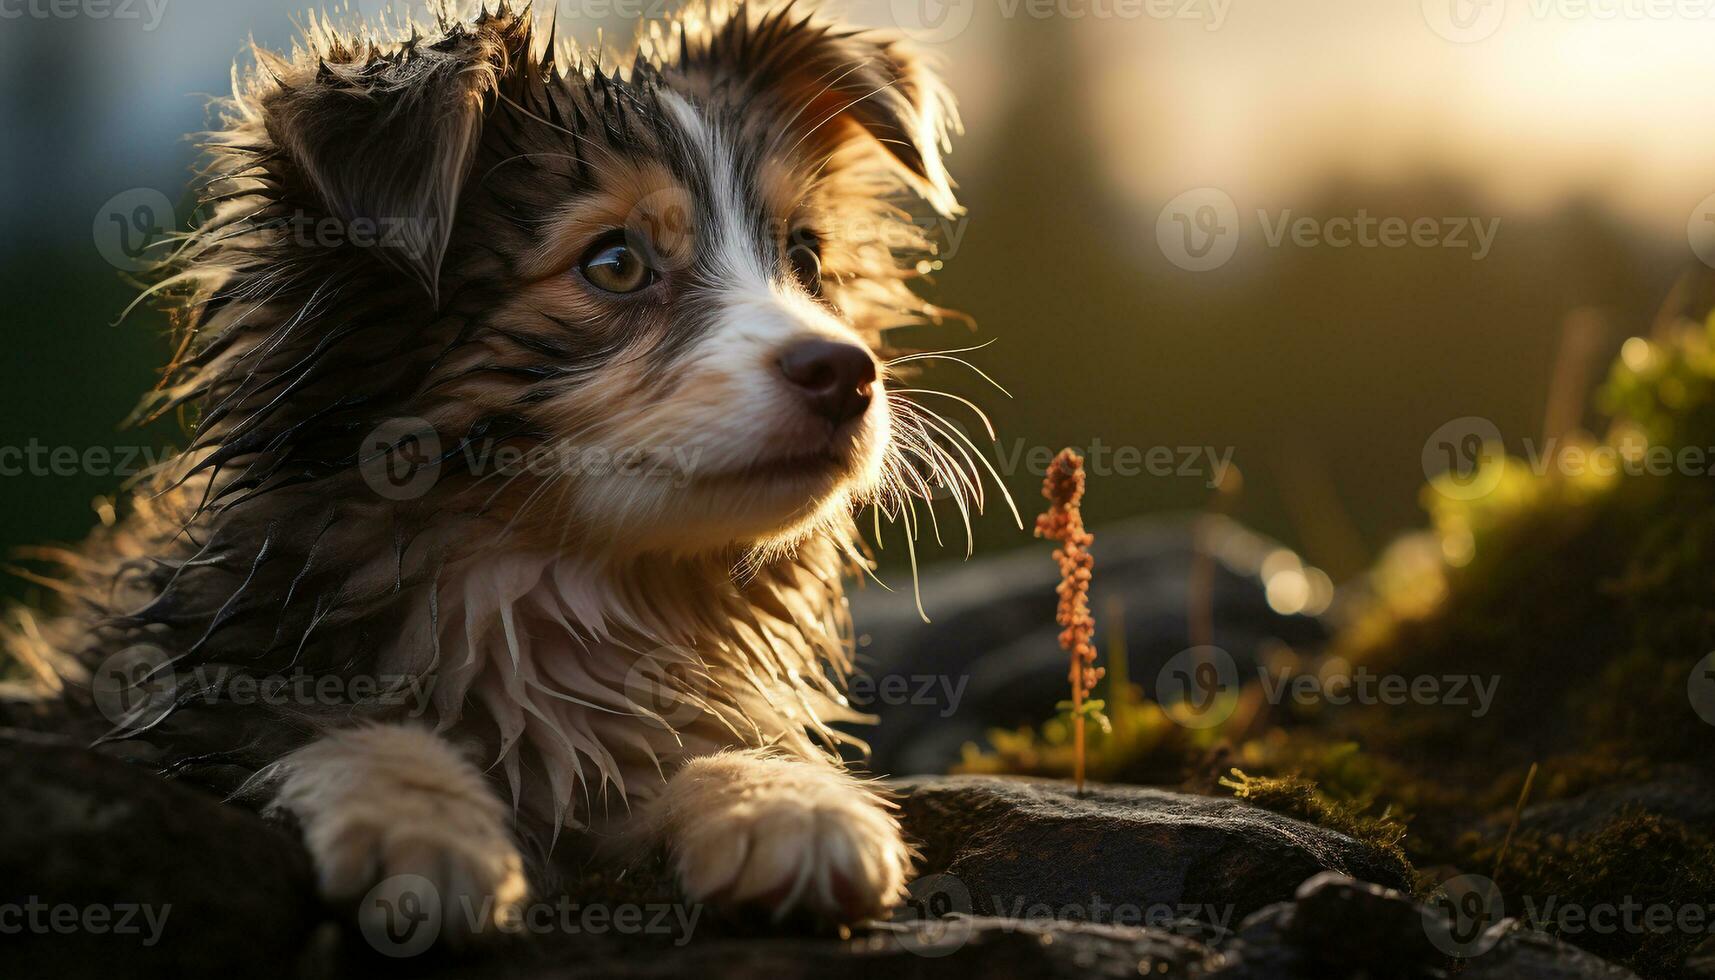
(825, 85)
(381, 140)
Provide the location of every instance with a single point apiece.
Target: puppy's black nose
(834, 378)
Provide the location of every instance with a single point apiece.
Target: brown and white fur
(651, 649)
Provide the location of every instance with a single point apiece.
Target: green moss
(1627, 892)
(1296, 796)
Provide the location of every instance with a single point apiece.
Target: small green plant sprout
(1063, 522)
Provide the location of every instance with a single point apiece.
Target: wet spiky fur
(584, 651)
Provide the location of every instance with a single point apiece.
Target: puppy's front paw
(753, 831)
(397, 811)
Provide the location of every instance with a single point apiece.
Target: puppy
(534, 398)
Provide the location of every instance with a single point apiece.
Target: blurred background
(1166, 239)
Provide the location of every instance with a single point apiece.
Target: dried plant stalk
(1063, 522)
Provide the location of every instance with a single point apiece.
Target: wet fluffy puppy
(534, 399)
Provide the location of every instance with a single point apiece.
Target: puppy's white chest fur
(594, 681)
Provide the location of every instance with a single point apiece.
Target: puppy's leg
(751, 829)
(393, 800)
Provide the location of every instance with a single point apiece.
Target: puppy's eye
(804, 252)
(615, 266)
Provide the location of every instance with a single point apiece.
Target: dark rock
(1035, 848)
(1339, 920)
(92, 848)
(1681, 794)
(990, 658)
(81, 830)
(1701, 962)
(1524, 954)
(1337, 927)
(995, 949)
